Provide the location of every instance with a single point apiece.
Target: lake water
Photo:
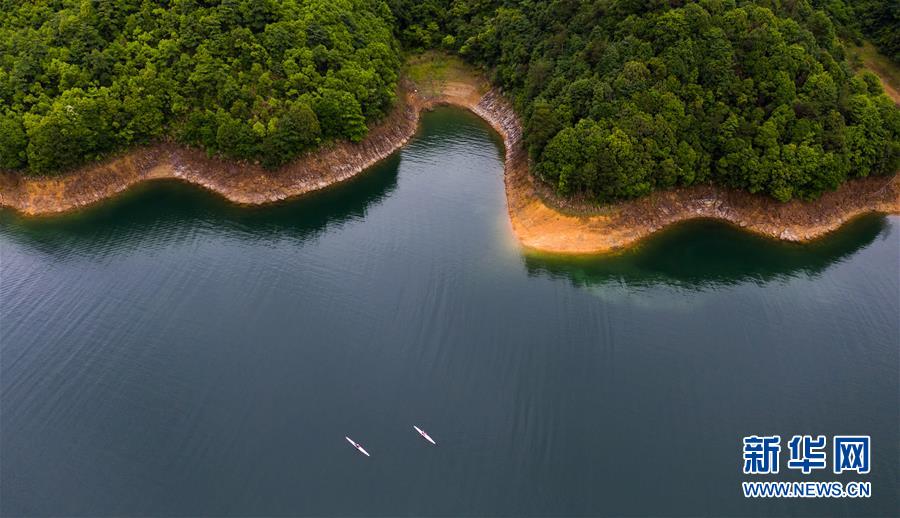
(167, 353)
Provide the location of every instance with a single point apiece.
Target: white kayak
(357, 446)
(424, 435)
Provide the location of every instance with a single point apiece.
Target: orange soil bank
(539, 219)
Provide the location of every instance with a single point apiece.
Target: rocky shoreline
(543, 222)
(239, 182)
(539, 219)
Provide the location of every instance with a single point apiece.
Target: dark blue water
(166, 353)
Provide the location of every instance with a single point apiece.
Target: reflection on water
(705, 254)
(167, 211)
(693, 255)
(170, 354)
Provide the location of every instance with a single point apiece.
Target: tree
(235, 137)
(12, 143)
(542, 126)
(339, 115)
(294, 132)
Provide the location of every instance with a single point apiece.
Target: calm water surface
(167, 353)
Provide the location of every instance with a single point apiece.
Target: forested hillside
(622, 97)
(877, 20)
(619, 97)
(250, 79)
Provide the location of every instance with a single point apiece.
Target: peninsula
(541, 220)
(618, 120)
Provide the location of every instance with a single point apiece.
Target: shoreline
(540, 220)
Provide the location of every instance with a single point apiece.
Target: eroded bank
(540, 220)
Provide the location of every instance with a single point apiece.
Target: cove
(541, 220)
(167, 352)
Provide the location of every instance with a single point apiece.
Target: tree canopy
(621, 97)
(251, 79)
(877, 20)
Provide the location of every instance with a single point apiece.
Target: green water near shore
(168, 353)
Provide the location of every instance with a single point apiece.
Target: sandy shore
(539, 219)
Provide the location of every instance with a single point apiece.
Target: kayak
(358, 447)
(424, 435)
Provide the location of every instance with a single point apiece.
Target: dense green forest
(877, 20)
(619, 97)
(260, 79)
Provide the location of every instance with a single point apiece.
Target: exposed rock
(540, 219)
